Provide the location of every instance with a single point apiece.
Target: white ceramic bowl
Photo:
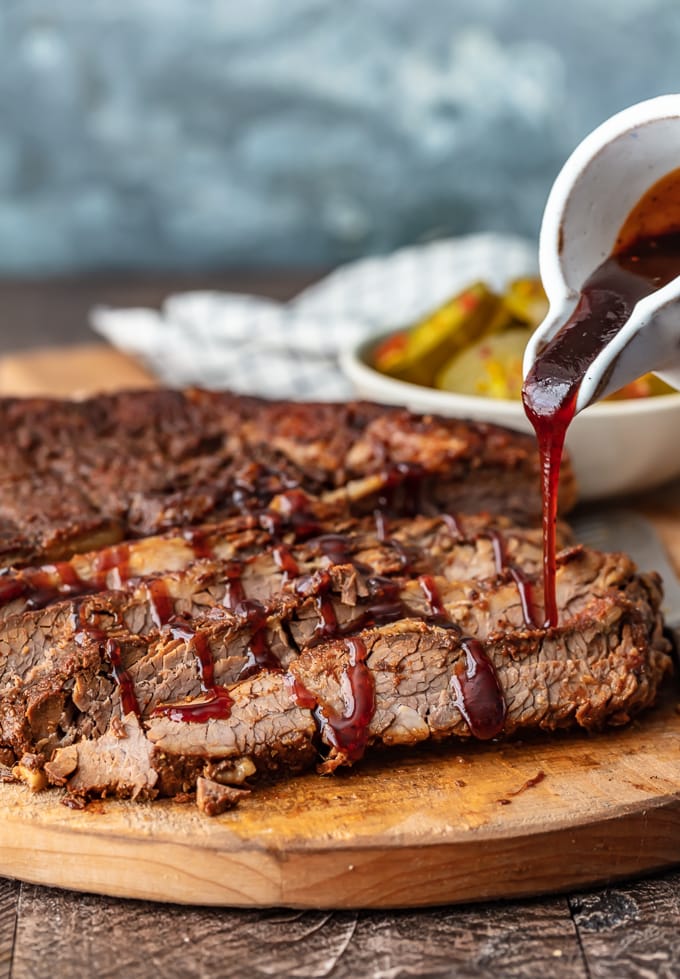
(617, 447)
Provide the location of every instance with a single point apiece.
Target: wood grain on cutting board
(429, 826)
(71, 371)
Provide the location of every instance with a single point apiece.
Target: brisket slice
(467, 547)
(60, 697)
(601, 668)
(271, 617)
(78, 475)
(41, 652)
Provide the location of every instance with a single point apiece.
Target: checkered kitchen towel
(290, 350)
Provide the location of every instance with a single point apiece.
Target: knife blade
(619, 529)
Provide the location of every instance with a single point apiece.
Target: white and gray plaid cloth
(290, 350)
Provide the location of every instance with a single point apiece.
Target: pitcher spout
(648, 342)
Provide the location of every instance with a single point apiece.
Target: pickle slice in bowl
(490, 368)
(526, 301)
(417, 354)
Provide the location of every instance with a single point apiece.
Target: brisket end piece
(120, 763)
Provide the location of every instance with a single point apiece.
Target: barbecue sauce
(110, 648)
(431, 592)
(453, 525)
(404, 489)
(646, 257)
(348, 731)
(259, 655)
(285, 561)
(200, 543)
(217, 703)
(525, 586)
(112, 559)
(11, 588)
(479, 696)
(336, 547)
(295, 513)
(381, 525)
(217, 706)
(53, 582)
(128, 698)
(327, 626)
(160, 602)
(234, 593)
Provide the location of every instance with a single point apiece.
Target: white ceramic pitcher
(594, 193)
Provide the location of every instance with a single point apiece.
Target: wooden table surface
(629, 930)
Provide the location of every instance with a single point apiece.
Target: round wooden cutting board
(436, 825)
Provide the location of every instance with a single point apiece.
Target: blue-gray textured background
(196, 133)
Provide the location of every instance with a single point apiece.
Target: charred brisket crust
(77, 475)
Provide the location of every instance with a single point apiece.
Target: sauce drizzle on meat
(348, 731)
(218, 702)
(479, 696)
(525, 586)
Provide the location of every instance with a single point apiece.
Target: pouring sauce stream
(640, 264)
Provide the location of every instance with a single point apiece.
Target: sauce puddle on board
(646, 258)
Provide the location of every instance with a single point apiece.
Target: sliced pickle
(491, 368)
(474, 344)
(526, 301)
(473, 313)
(390, 352)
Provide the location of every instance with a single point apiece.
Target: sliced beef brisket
(63, 694)
(201, 589)
(253, 558)
(600, 668)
